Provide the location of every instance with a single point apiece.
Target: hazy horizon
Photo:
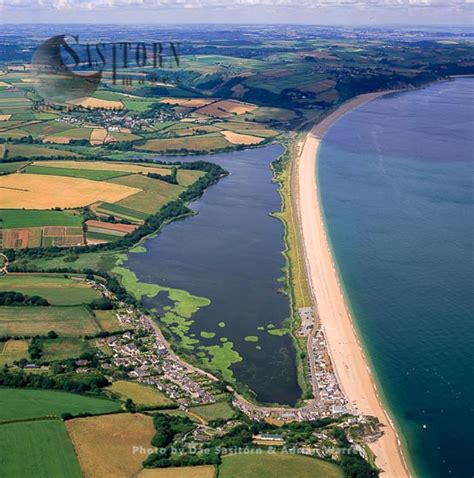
(241, 12)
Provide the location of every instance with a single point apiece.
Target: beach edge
(348, 357)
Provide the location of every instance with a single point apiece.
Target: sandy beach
(348, 357)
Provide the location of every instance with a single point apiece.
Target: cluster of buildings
(328, 400)
(116, 119)
(146, 356)
(331, 399)
(144, 353)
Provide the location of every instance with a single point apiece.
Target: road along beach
(348, 358)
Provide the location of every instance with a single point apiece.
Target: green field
(34, 150)
(95, 175)
(102, 236)
(186, 177)
(104, 261)
(144, 395)
(12, 350)
(276, 466)
(56, 290)
(204, 142)
(121, 212)
(39, 449)
(20, 404)
(107, 320)
(214, 411)
(11, 167)
(13, 218)
(154, 194)
(63, 348)
(65, 321)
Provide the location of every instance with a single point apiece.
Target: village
(147, 357)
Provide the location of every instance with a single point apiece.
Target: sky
(313, 12)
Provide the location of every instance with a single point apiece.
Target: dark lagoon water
(231, 253)
(396, 179)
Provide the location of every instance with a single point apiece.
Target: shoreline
(350, 364)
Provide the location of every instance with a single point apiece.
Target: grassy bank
(296, 285)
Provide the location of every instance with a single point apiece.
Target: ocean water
(396, 181)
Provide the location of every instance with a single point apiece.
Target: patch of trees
(353, 465)
(169, 178)
(35, 349)
(69, 383)
(102, 304)
(11, 298)
(168, 428)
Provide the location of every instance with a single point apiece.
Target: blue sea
(396, 181)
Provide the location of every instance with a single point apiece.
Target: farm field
(203, 142)
(96, 260)
(126, 193)
(202, 471)
(111, 231)
(65, 321)
(214, 411)
(275, 465)
(22, 404)
(32, 191)
(143, 395)
(104, 166)
(97, 103)
(95, 175)
(34, 150)
(18, 238)
(10, 167)
(56, 290)
(107, 320)
(104, 445)
(66, 136)
(63, 348)
(154, 193)
(12, 350)
(226, 108)
(121, 212)
(14, 218)
(37, 448)
(238, 138)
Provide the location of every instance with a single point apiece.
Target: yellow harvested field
(2, 150)
(226, 108)
(234, 106)
(203, 471)
(2, 83)
(98, 136)
(189, 103)
(34, 191)
(57, 139)
(105, 445)
(103, 166)
(97, 103)
(140, 394)
(4, 117)
(13, 350)
(237, 138)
